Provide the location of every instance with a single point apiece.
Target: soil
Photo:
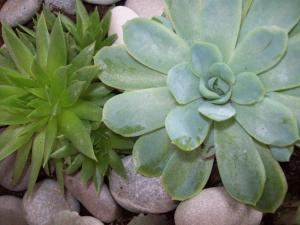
(292, 170)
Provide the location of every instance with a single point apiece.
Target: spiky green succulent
(218, 83)
(107, 145)
(89, 28)
(49, 97)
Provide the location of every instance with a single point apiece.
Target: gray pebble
(11, 211)
(139, 193)
(68, 6)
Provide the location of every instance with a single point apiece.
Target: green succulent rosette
(225, 81)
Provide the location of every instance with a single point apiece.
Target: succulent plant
(89, 29)
(225, 82)
(105, 143)
(48, 99)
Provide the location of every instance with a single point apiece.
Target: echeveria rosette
(48, 99)
(221, 83)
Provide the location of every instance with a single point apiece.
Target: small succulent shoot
(225, 82)
(106, 144)
(89, 29)
(47, 98)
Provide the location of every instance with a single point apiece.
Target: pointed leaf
(216, 112)
(285, 75)
(183, 84)
(72, 127)
(73, 92)
(269, 122)
(276, 185)
(75, 164)
(121, 71)
(186, 174)
(21, 161)
(261, 49)
(64, 152)
(240, 166)
(11, 140)
(59, 170)
(154, 45)
(57, 54)
(116, 163)
(248, 89)
(87, 170)
(151, 153)
(42, 41)
(38, 148)
(138, 112)
(186, 127)
(51, 133)
(284, 14)
(87, 111)
(213, 21)
(20, 54)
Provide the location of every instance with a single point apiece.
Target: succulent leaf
(275, 187)
(248, 89)
(183, 84)
(151, 153)
(261, 49)
(286, 74)
(282, 154)
(240, 166)
(141, 116)
(262, 13)
(186, 174)
(154, 45)
(186, 127)
(123, 72)
(268, 121)
(216, 112)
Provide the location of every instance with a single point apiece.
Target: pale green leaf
(204, 55)
(269, 122)
(293, 92)
(296, 30)
(151, 153)
(72, 127)
(138, 112)
(246, 7)
(292, 102)
(286, 74)
(216, 112)
(240, 166)
(275, 187)
(247, 89)
(186, 174)
(282, 154)
(121, 71)
(186, 127)
(261, 49)
(183, 84)
(284, 14)
(213, 21)
(154, 45)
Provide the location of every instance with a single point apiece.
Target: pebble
(139, 193)
(11, 212)
(72, 218)
(46, 201)
(102, 205)
(16, 12)
(214, 206)
(101, 2)
(146, 8)
(6, 175)
(119, 16)
(68, 6)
